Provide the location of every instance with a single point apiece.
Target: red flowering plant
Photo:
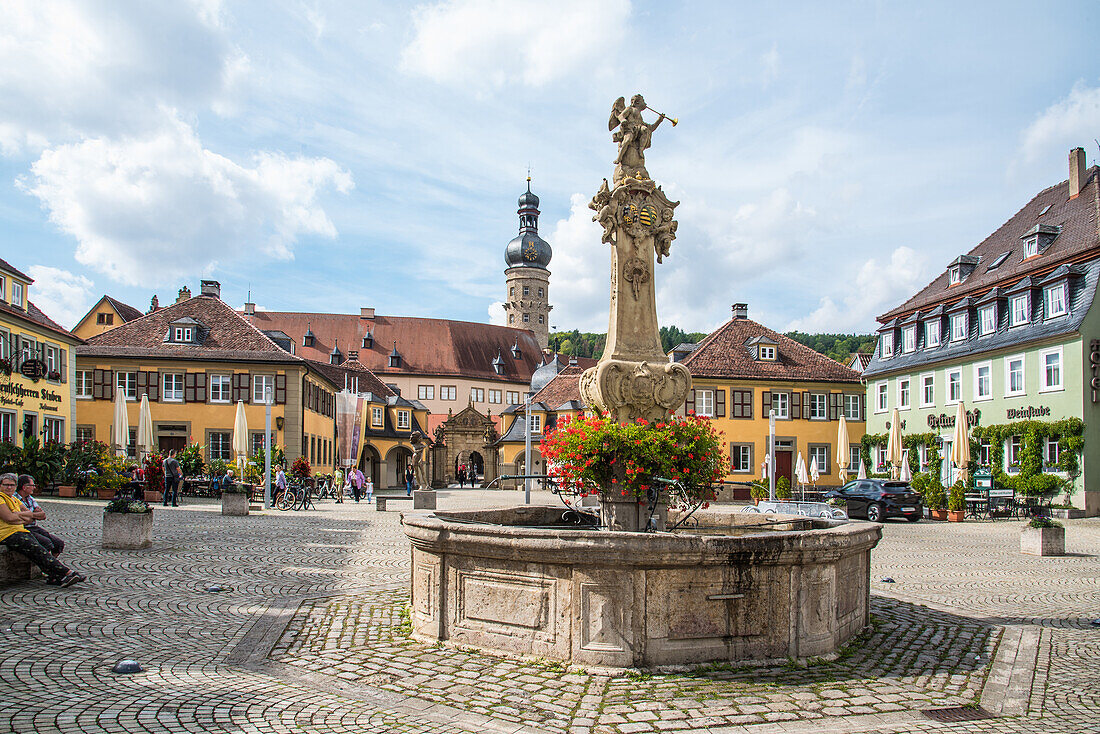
(598, 454)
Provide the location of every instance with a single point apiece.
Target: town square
(779, 415)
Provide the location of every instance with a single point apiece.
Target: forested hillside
(838, 346)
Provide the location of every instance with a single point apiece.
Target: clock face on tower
(530, 252)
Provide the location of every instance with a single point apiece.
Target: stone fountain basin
(519, 581)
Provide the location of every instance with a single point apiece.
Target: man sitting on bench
(16, 538)
(49, 541)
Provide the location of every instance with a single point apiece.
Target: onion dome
(528, 249)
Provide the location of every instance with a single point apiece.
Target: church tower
(528, 280)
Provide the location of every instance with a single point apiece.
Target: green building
(1012, 330)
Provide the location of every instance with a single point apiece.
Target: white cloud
(486, 44)
(61, 295)
(497, 316)
(72, 69)
(150, 209)
(579, 286)
(1069, 123)
(878, 287)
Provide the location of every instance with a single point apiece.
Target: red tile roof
(367, 381)
(723, 354)
(565, 386)
(228, 336)
(426, 346)
(5, 265)
(1078, 218)
(127, 312)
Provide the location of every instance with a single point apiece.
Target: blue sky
(830, 158)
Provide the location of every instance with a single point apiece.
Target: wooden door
(170, 443)
(783, 466)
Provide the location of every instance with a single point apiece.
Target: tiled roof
(126, 311)
(5, 265)
(565, 386)
(1078, 221)
(723, 354)
(229, 337)
(864, 359)
(34, 315)
(426, 346)
(367, 380)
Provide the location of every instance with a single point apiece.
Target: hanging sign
(33, 369)
(1032, 411)
(948, 421)
(1094, 362)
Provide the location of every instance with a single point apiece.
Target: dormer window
(767, 353)
(955, 275)
(959, 327)
(1055, 298)
(909, 339)
(368, 340)
(987, 320)
(395, 357)
(932, 333)
(515, 351)
(498, 364)
(886, 345)
(183, 334)
(308, 339)
(1021, 312)
(1031, 247)
(17, 294)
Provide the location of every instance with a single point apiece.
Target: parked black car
(878, 499)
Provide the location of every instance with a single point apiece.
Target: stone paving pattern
(326, 590)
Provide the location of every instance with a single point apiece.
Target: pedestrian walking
(173, 473)
(410, 477)
(338, 482)
(368, 485)
(356, 482)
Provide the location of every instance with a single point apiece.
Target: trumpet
(673, 120)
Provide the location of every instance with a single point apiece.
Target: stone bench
(381, 500)
(15, 567)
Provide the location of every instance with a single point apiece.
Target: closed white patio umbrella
(894, 452)
(815, 473)
(960, 443)
(120, 430)
(906, 474)
(764, 468)
(145, 428)
(862, 469)
(800, 470)
(240, 438)
(842, 450)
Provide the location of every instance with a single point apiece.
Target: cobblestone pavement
(309, 636)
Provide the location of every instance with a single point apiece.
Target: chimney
(366, 313)
(250, 309)
(210, 288)
(1076, 172)
(740, 310)
(154, 304)
(183, 295)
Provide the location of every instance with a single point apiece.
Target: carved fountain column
(634, 378)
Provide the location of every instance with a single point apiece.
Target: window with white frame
(932, 333)
(53, 358)
(854, 458)
(477, 394)
(376, 416)
(781, 404)
(1055, 297)
(1012, 451)
(820, 454)
(1051, 453)
(903, 393)
(403, 419)
(260, 386)
(84, 383)
(1031, 247)
(922, 457)
(954, 386)
(886, 345)
(909, 339)
(7, 427)
(1050, 361)
(927, 390)
(127, 383)
(29, 349)
(17, 293)
(53, 429)
(495, 396)
(1014, 375)
(767, 353)
(704, 402)
(183, 334)
(818, 406)
(1020, 310)
(218, 446)
(880, 458)
(513, 397)
(881, 397)
(536, 423)
(425, 392)
(448, 392)
(851, 407)
(219, 388)
(983, 381)
(3, 292)
(172, 387)
(954, 275)
(958, 327)
(987, 320)
(5, 344)
(84, 434)
(741, 458)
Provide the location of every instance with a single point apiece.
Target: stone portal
(465, 438)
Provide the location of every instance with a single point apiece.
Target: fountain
(526, 580)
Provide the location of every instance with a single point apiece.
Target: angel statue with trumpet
(633, 136)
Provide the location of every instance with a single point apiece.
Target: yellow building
(742, 371)
(196, 359)
(106, 314)
(36, 371)
(554, 401)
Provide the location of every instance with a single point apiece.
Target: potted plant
(935, 499)
(235, 499)
(127, 524)
(623, 462)
(956, 502)
(300, 468)
(154, 477)
(107, 478)
(1043, 537)
(782, 488)
(759, 491)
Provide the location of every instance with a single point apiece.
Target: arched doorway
(477, 465)
(370, 463)
(537, 466)
(397, 459)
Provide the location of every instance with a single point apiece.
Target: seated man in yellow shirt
(15, 536)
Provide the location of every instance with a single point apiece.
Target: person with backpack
(173, 473)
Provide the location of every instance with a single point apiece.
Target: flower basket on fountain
(629, 465)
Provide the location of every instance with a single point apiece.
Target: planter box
(105, 494)
(234, 503)
(1067, 513)
(153, 496)
(1043, 541)
(66, 490)
(629, 515)
(940, 515)
(127, 530)
(956, 515)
